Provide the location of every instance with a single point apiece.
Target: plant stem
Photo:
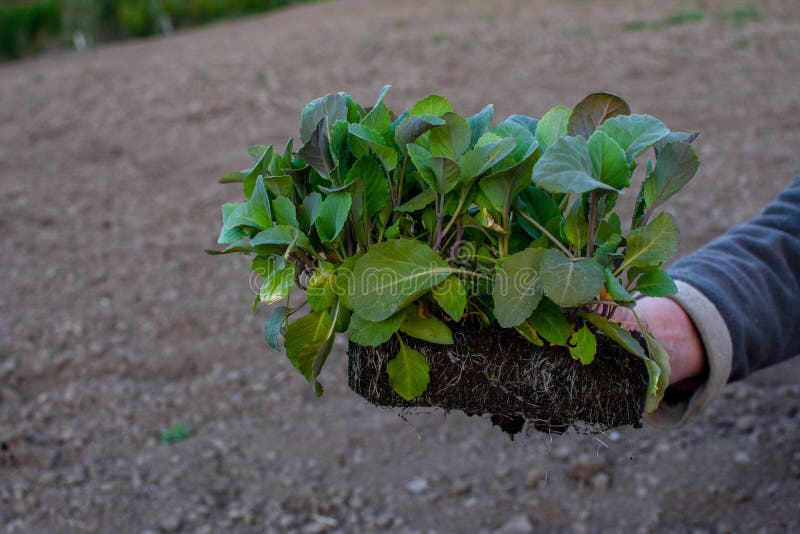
(544, 231)
(592, 216)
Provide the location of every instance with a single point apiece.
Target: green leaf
(451, 296)
(332, 215)
(410, 128)
(281, 235)
(608, 161)
(593, 110)
(229, 233)
(234, 177)
(409, 373)
(371, 191)
(656, 282)
(379, 117)
(451, 139)
(320, 288)
(418, 202)
(431, 105)
(549, 322)
(393, 274)
(308, 341)
(517, 288)
(429, 329)
(501, 188)
(659, 371)
(652, 244)
(607, 252)
(529, 123)
(570, 282)
(583, 345)
(552, 126)
(482, 158)
(284, 211)
(677, 163)
(634, 133)
(330, 108)
(386, 154)
(479, 123)
(277, 285)
(617, 290)
(316, 152)
(242, 215)
(309, 210)
(338, 145)
(525, 143)
(566, 167)
(276, 324)
(576, 225)
(618, 334)
(527, 331)
(370, 333)
(260, 205)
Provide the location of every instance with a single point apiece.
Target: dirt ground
(114, 324)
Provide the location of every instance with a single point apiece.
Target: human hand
(674, 329)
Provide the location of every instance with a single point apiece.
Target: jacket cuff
(719, 353)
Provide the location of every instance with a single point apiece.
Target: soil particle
(585, 467)
(517, 525)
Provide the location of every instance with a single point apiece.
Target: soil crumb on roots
(496, 372)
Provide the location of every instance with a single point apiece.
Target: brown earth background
(114, 324)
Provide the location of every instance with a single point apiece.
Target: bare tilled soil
(114, 325)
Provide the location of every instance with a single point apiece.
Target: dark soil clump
(496, 372)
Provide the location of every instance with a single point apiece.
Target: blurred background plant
(27, 27)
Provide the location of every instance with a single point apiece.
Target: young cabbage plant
(378, 225)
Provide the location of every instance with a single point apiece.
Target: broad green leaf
(331, 108)
(284, 211)
(365, 332)
(276, 324)
(236, 246)
(527, 331)
(552, 126)
(618, 334)
(260, 205)
(242, 215)
(256, 151)
(501, 188)
(431, 105)
(617, 290)
(539, 205)
(608, 161)
(429, 329)
(566, 167)
(526, 122)
(576, 225)
(674, 136)
(479, 123)
(379, 117)
(277, 285)
(410, 128)
(422, 160)
(550, 323)
(525, 143)
(393, 274)
(332, 215)
(386, 154)
(583, 345)
(408, 373)
(451, 296)
(634, 133)
(570, 282)
(517, 288)
(260, 168)
(482, 158)
(320, 292)
(677, 163)
(653, 244)
(316, 151)
(417, 202)
(659, 370)
(451, 139)
(607, 251)
(234, 177)
(593, 110)
(281, 235)
(656, 282)
(344, 278)
(372, 187)
(228, 233)
(338, 146)
(263, 265)
(309, 210)
(308, 341)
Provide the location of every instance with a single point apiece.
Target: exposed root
(496, 372)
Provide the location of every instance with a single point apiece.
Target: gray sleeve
(751, 274)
